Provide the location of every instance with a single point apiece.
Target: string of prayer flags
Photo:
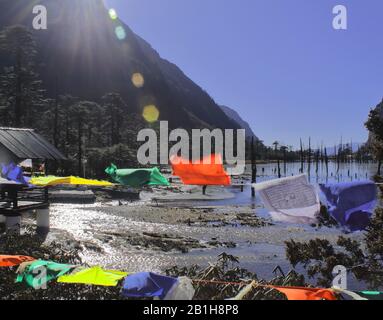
(290, 199)
(95, 276)
(351, 204)
(209, 171)
(147, 284)
(37, 273)
(40, 272)
(11, 261)
(299, 293)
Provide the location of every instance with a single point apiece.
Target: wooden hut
(17, 145)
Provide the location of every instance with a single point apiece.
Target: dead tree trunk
(253, 166)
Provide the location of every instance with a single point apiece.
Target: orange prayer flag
(208, 172)
(299, 293)
(11, 261)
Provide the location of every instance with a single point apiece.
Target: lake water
(259, 249)
(347, 172)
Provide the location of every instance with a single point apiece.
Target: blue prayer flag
(351, 204)
(14, 173)
(147, 284)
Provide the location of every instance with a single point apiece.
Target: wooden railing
(15, 199)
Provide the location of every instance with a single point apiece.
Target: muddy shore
(152, 235)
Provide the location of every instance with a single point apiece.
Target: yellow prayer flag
(96, 276)
(54, 181)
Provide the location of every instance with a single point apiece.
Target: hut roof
(27, 144)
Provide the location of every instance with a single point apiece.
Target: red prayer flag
(11, 261)
(208, 172)
(298, 293)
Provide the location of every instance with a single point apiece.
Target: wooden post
(309, 157)
(321, 153)
(13, 195)
(79, 155)
(253, 166)
(317, 162)
(302, 159)
(43, 220)
(46, 195)
(13, 224)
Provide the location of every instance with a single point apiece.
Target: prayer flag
(209, 171)
(137, 177)
(371, 295)
(95, 276)
(351, 204)
(290, 199)
(54, 181)
(147, 284)
(11, 261)
(299, 293)
(40, 272)
(14, 173)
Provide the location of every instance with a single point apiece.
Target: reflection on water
(345, 172)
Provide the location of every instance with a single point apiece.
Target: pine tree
(374, 124)
(21, 89)
(115, 110)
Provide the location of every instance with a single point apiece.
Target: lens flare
(120, 33)
(151, 113)
(113, 14)
(138, 80)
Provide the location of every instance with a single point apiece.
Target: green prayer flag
(40, 272)
(371, 295)
(137, 177)
(95, 276)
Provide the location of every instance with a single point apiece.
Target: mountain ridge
(231, 113)
(81, 56)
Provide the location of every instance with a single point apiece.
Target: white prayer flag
(290, 199)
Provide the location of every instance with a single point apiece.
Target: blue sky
(279, 63)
